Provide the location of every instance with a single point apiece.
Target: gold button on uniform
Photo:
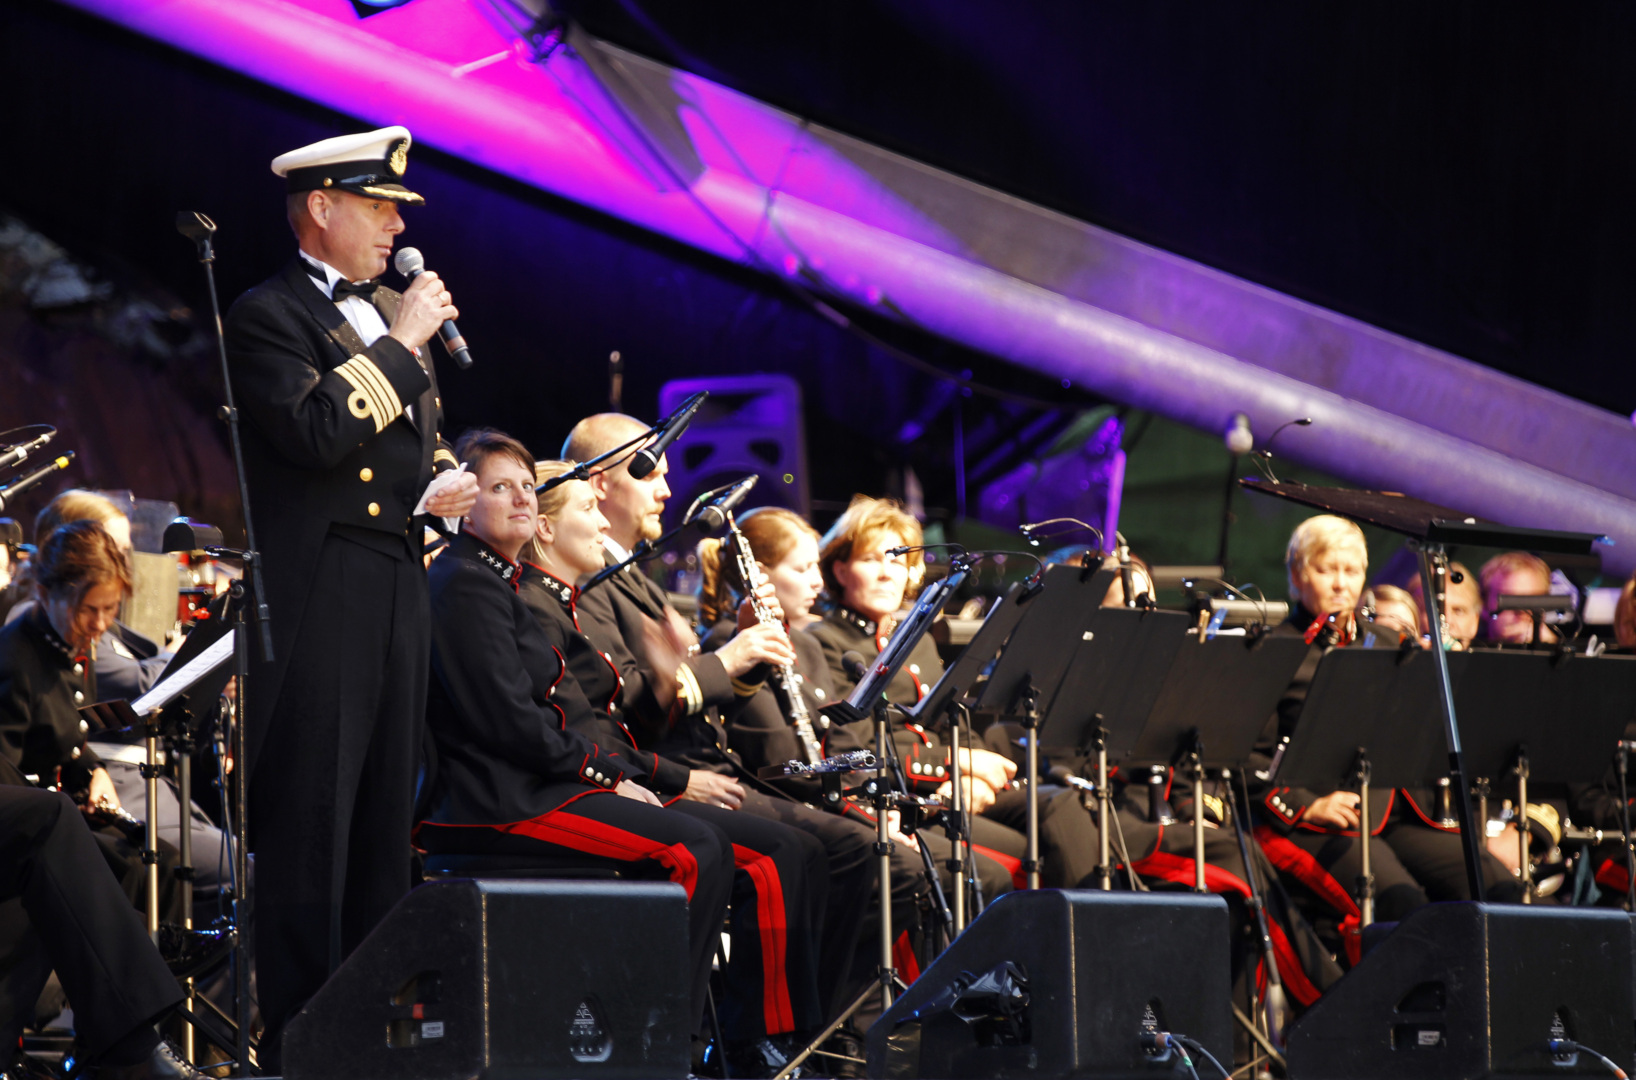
(374, 509)
(366, 474)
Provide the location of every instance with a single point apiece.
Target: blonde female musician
(801, 877)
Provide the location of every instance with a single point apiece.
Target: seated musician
(1607, 804)
(763, 731)
(1395, 614)
(1513, 573)
(1462, 607)
(511, 777)
(1312, 837)
(127, 664)
(1161, 851)
(80, 579)
(672, 699)
(868, 586)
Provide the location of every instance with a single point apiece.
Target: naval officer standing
(335, 380)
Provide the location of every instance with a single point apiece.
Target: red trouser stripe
(903, 958)
(1294, 976)
(1011, 863)
(1292, 859)
(1179, 869)
(598, 838)
(775, 988)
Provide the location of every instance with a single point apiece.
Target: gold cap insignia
(399, 159)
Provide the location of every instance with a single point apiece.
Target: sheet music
(191, 672)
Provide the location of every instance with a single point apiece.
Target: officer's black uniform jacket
(1279, 805)
(503, 714)
(326, 444)
(553, 603)
(42, 684)
(613, 615)
(923, 753)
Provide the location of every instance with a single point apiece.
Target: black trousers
(642, 841)
(779, 899)
(849, 852)
(1411, 862)
(331, 796)
(79, 922)
(1436, 859)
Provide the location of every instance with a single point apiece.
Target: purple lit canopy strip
(731, 176)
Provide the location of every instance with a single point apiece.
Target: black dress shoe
(192, 952)
(763, 1057)
(166, 1063)
(24, 1067)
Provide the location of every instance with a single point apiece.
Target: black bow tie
(343, 289)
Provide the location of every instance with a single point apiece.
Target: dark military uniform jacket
(552, 601)
(43, 682)
(690, 732)
(326, 443)
(1279, 805)
(504, 716)
(923, 753)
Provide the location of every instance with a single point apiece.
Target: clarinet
(784, 674)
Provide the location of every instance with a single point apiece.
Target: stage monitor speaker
(1056, 983)
(749, 424)
(507, 979)
(1464, 990)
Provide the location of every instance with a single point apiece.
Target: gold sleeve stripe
(360, 390)
(440, 454)
(688, 685)
(389, 396)
(745, 689)
(356, 372)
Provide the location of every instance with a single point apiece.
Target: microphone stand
(249, 594)
(584, 469)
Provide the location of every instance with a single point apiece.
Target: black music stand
(1364, 720)
(1026, 680)
(1529, 715)
(1431, 528)
(1116, 675)
(948, 701)
(1210, 708)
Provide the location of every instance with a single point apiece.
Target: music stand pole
(1195, 754)
(181, 746)
(1104, 854)
(150, 844)
(1431, 553)
(1031, 723)
(1622, 761)
(1366, 869)
(952, 822)
(1526, 870)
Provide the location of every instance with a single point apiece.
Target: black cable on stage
(1136, 883)
(1568, 1046)
(1198, 1048)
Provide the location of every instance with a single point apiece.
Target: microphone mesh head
(409, 261)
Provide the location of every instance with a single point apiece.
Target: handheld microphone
(646, 459)
(21, 451)
(17, 487)
(411, 264)
(713, 514)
